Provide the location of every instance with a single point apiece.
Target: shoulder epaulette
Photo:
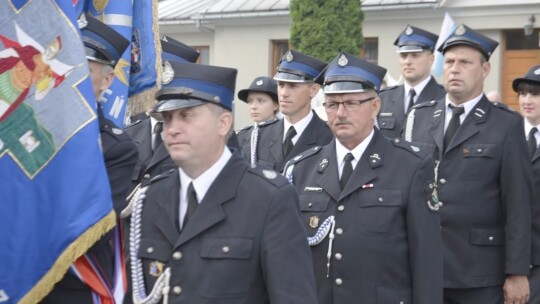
(389, 88)
(425, 104)
(134, 123)
(268, 175)
(403, 144)
(267, 123)
(246, 128)
(503, 106)
(306, 154)
(159, 177)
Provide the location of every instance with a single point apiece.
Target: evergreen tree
(323, 28)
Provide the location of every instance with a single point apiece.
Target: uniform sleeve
(516, 197)
(424, 236)
(286, 257)
(120, 160)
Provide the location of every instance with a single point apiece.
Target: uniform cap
(101, 42)
(297, 67)
(532, 76)
(193, 85)
(414, 39)
(261, 84)
(175, 50)
(464, 35)
(349, 74)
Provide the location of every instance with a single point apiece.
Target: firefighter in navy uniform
(104, 47)
(215, 230)
(301, 128)
(146, 133)
(484, 178)
(528, 89)
(261, 97)
(415, 47)
(367, 202)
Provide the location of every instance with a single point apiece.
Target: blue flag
(136, 71)
(55, 195)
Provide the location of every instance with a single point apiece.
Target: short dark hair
(528, 87)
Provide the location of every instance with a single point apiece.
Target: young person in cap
(215, 230)
(379, 249)
(104, 47)
(146, 133)
(262, 100)
(301, 128)
(528, 89)
(484, 178)
(415, 49)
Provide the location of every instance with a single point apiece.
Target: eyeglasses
(349, 105)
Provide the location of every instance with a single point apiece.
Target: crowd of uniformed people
(420, 193)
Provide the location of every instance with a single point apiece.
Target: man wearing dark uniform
(484, 178)
(301, 128)
(146, 133)
(528, 89)
(104, 47)
(215, 230)
(367, 201)
(415, 49)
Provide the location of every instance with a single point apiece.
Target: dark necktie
(157, 135)
(347, 170)
(412, 93)
(453, 125)
(287, 143)
(192, 203)
(532, 141)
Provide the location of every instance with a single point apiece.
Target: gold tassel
(77, 248)
(145, 100)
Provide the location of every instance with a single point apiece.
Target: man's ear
(314, 89)
(107, 81)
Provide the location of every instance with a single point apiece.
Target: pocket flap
(479, 150)
(380, 197)
(154, 249)
(387, 122)
(226, 248)
(317, 202)
(487, 236)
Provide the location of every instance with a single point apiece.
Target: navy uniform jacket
(392, 113)
(244, 138)
(387, 246)
(120, 154)
(243, 244)
(152, 164)
(534, 280)
(270, 147)
(485, 184)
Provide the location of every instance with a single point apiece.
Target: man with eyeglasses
(367, 202)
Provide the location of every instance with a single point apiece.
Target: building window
(204, 57)
(279, 48)
(370, 52)
(517, 40)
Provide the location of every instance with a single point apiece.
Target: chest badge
(314, 221)
(156, 268)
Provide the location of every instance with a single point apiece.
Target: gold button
(339, 231)
(341, 208)
(338, 256)
(177, 255)
(150, 249)
(177, 290)
(225, 249)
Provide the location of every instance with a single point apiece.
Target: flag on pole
(136, 71)
(55, 194)
(447, 27)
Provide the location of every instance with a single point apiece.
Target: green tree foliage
(323, 28)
